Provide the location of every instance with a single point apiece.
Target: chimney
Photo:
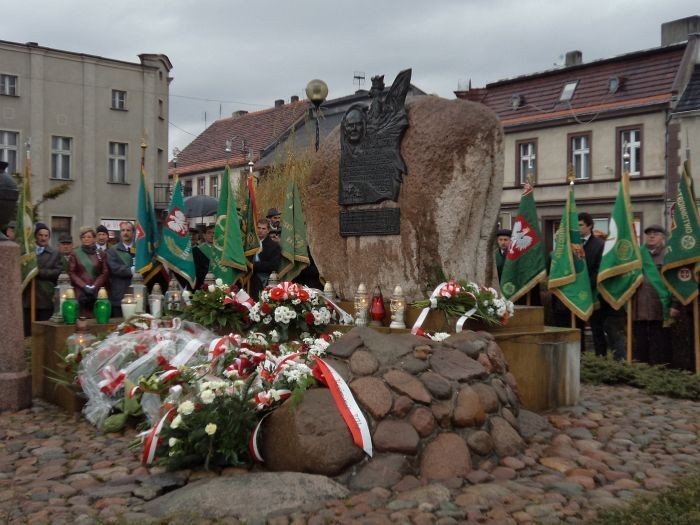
(573, 58)
(279, 102)
(239, 113)
(677, 31)
(293, 99)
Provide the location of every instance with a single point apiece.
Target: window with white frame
(8, 85)
(8, 149)
(527, 154)
(581, 156)
(61, 149)
(187, 188)
(214, 186)
(201, 186)
(118, 99)
(631, 140)
(117, 162)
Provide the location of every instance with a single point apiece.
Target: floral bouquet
(466, 300)
(289, 304)
(219, 307)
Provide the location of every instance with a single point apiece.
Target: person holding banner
(652, 304)
(49, 267)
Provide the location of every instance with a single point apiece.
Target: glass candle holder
(103, 308)
(128, 306)
(69, 310)
(361, 305)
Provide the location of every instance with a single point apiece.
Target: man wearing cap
(120, 260)
(650, 338)
(274, 217)
(102, 237)
(65, 248)
(10, 229)
(502, 241)
(49, 267)
(88, 271)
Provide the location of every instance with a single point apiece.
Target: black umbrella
(200, 206)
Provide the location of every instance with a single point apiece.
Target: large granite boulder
(449, 201)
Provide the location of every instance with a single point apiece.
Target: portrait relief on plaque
(371, 167)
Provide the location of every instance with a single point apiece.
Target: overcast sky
(230, 54)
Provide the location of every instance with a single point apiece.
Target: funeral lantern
(139, 291)
(361, 305)
(79, 341)
(69, 310)
(59, 295)
(103, 308)
(128, 306)
(273, 280)
(155, 301)
(397, 305)
(377, 311)
(173, 298)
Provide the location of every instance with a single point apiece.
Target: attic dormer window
(567, 93)
(516, 101)
(614, 84)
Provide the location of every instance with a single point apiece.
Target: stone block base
(15, 391)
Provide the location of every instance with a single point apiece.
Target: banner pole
(573, 320)
(629, 331)
(527, 298)
(696, 333)
(32, 304)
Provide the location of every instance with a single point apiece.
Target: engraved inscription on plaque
(371, 167)
(381, 221)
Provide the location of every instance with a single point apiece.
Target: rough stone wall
(449, 201)
(434, 410)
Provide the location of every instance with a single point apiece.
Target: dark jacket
(268, 261)
(500, 261)
(120, 261)
(593, 248)
(49, 267)
(646, 305)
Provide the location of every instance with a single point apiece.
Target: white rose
(186, 408)
(176, 421)
(219, 282)
(172, 442)
(210, 429)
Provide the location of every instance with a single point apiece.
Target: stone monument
(15, 380)
(398, 204)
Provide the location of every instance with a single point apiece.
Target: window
(160, 109)
(8, 85)
(8, 149)
(201, 186)
(118, 99)
(60, 157)
(580, 155)
(60, 226)
(117, 162)
(527, 160)
(187, 188)
(630, 141)
(214, 186)
(567, 92)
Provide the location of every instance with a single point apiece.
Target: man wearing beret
(49, 267)
(65, 248)
(502, 241)
(650, 343)
(274, 217)
(102, 237)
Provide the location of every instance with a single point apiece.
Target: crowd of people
(654, 340)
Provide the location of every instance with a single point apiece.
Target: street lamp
(316, 92)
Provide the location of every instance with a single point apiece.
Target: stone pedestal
(545, 360)
(48, 373)
(15, 381)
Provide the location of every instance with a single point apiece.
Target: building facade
(591, 121)
(84, 119)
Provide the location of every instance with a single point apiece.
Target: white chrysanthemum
(219, 282)
(172, 442)
(176, 421)
(274, 336)
(210, 429)
(207, 397)
(296, 300)
(267, 319)
(186, 408)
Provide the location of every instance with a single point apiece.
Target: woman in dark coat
(88, 271)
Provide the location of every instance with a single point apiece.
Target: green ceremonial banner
(295, 249)
(620, 270)
(681, 268)
(568, 274)
(525, 264)
(651, 272)
(251, 243)
(175, 250)
(146, 229)
(227, 261)
(25, 230)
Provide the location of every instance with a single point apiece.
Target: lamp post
(316, 92)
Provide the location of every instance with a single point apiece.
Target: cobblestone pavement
(618, 443)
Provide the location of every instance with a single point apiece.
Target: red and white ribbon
(186, 354)
(265, 398)
(168, 375)
(447, 289)
(463, 319)
(151, 444)
(112, 381)
(345, 318)
(240, 297)
(253, 443)
(344, 400)
(288, 290)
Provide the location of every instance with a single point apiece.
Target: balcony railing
(162, 193)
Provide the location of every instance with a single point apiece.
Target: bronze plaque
(381, 221)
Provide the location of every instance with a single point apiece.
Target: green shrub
(677, 505)
(657, 380)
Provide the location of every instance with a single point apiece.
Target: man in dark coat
(49, 267)
(65, 248)
(266, 261)
(502, 240)
(202, 254)
(120, 260)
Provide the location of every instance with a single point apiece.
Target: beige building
(84, 117)
(588, 115)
